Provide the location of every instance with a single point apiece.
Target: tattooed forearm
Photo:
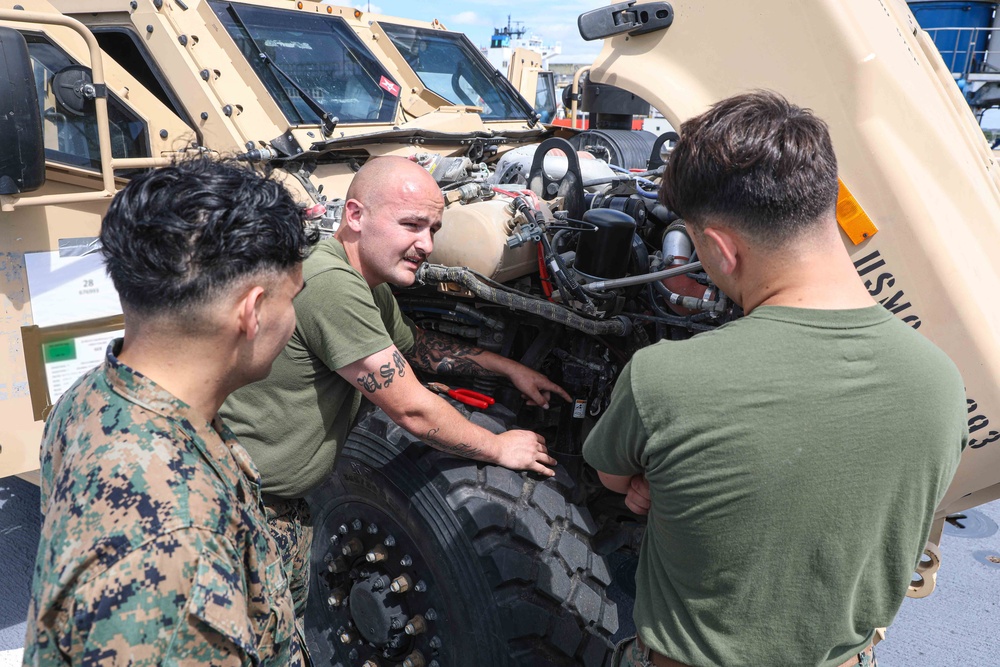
(445, 355)
(459, 449)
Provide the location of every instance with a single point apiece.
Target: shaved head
(389, 177)
(392, 212)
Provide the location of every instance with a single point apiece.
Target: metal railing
(966, 50)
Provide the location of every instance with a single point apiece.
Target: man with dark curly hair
(791, 460)
(154, 548)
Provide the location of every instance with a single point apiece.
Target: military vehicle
(554, 251)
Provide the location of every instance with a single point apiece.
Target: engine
(567, 262)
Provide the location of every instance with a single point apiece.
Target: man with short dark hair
(352, 340)
(154, 547)
(791, 460)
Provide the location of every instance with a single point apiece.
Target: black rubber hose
(435, 273)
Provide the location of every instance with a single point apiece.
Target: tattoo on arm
(445, 355)
(459, 449)
(397, 358)
(369, 383)
(387, 372)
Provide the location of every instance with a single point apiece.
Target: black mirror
(74, 89)
(627, 17)
(22, 159)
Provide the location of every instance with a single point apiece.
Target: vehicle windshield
(320, 54)
(449, 65)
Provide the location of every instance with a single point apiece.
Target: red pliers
(466, 396)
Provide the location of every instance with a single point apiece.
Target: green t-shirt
(295, 421)
(795, 459)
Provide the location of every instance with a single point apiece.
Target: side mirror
(22, 160)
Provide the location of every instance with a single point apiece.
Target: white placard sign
(67, 360)
(69, 289)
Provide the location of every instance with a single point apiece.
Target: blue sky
(552, 21)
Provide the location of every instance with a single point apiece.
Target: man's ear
(725, 248)
(249, 312)
(352, 214)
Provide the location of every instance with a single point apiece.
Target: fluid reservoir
(475, 235)
(604, 252)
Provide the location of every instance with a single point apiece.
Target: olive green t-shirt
(295, 421)
(795, 459)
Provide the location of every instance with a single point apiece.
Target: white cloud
(466, 18)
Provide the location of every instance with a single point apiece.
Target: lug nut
(420, 587)
(343, 529)
(415, 659)
(336, 598)
(356, 524)
(401, 584)
(352, 548)
(416, 625)
(371, 662)
(379, 583)
(346, 637)
(406, 561)
(389, 541)
(430, 614)
(334, 539)
(377, 554)
(435, 642)
(337, 565)
(372, 529)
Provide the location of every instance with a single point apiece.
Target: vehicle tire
(501, 572)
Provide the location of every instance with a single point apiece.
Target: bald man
(351, 340)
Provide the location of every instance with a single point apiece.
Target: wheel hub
(379, 592)
(374, 614)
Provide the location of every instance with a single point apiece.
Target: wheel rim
(381, 597)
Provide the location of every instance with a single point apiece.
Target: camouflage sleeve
(177, 600)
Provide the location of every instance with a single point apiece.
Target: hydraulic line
(689, 302)
(435, 273)
(639, 180)
(604, 285)
(557, 268)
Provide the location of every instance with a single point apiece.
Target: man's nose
(425, 242)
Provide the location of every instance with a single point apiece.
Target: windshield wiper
(328, 120)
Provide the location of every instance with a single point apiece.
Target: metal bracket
(625, 17)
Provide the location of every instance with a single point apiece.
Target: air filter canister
(604, 252)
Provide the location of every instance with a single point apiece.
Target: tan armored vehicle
(420, 558)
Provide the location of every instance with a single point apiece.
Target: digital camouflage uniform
(154, 547)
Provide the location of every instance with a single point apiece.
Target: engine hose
(689, 302)
(557, 268)
(435, 273)
(638, 178)
(563, 277)
(604, 285)
(459, 309)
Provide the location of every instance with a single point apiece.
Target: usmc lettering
(884, 281)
